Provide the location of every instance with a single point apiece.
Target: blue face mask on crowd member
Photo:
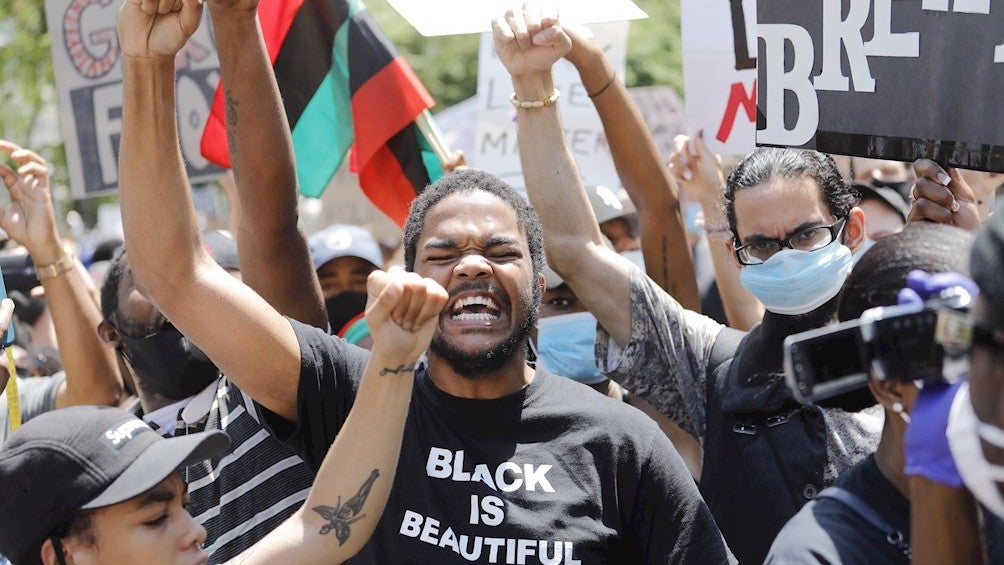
(565, 346)
(793, 282)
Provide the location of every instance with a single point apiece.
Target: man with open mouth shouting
(499, 463)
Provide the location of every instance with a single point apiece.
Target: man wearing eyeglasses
(794, 228)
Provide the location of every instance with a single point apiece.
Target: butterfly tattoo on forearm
(343, 515)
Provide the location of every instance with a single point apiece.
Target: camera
(909, 342)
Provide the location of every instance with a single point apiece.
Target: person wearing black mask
(181, 392)
(344, 255)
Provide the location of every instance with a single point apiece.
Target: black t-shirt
(554, 473)
(828, 531)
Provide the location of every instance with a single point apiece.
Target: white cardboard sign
(719, 72)
(475, 16)
(86, 58)
(495, 143)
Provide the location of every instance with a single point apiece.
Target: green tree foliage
(27, 85)
(448, 66)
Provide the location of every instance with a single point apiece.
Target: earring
(897, 407)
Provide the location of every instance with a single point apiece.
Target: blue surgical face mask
(797, 282)
(565, 346)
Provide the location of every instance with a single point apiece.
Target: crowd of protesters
(263, 395)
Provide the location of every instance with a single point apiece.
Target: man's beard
(473, 365)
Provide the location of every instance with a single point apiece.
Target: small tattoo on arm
(231, 118)
(343, 515)
(397, 370)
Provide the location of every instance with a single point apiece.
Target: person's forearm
(742, 309)
(944, 524)
(355, 478)
(159, 223)
(92, 371)
(275, 260)
(170, 266)
(642, 172)
(575, 248)
(560, 200)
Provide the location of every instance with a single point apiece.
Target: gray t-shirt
(35, 394)
(666, 362)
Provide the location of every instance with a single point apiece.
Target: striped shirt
(245, 494)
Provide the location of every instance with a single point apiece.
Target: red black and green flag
(344, 87)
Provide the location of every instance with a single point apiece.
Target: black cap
(885, 194)
(82, 458)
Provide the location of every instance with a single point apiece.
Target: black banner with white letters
(890, 79)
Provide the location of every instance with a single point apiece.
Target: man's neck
(507, 379)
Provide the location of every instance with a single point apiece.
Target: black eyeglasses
(805, 239)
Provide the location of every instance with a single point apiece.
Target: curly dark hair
(467, 181)
(769, 162)
(881, 272)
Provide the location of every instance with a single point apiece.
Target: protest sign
(495, 143)
(719, 72)
(87, 62)
(875, 78)
(660, 106)
(466, 16)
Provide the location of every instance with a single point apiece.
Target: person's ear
(542, 283)
(854, 230)
(109, 334)
(730, 244)
(50, 556)
(888, 393)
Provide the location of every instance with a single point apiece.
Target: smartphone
(8, 337)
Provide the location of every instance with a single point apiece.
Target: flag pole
(432, 133)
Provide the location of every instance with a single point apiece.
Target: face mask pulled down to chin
(168, 364)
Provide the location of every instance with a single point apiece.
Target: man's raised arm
(645, 178)
(275, 259)
(241, 333)
(528, 47)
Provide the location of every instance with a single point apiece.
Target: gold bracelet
(54, 269)
(534, 103)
